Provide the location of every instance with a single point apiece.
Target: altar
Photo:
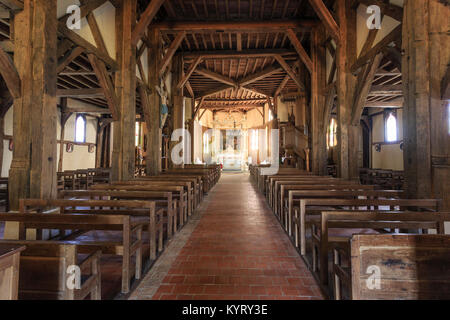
(232, 161)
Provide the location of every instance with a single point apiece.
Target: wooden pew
(352, 222)
(272, 181)
(68, 180)
(35, 214)
(412, 267)
(162, 199)
(9, 270)
(283, 195)
(195, 181)
(187, 185)
(337, 200)
(282, 172)
(206, 174)
(100, 175)
(43, 271)
(178, 194)
(295, 194)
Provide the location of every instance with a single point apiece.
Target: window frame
(83, 116)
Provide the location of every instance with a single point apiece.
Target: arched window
(391, 128)
(332, 134)
(80, 128)
(138, 134)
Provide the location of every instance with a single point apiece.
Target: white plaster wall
(391, 156)
(80, 158)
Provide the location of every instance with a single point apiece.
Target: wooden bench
(162, 199)
(178, 194)
(335, 192)
(195, 185)
(187, 185)
(412, 267)
(352, 222)
(35, 214)
(9, 270)
(337, 200)
(282, 172)
(332, 185)
(272, 182)
(206, 174)
(43, 271)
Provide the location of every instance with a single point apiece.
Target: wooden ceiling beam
(171, 51)
(244, 54)
(107, 85)
(189, 89)
(290, 72)
(214, 91)
(392, 36)
(236, 26)
(14, 5)
(217, 77)
(327, 19)
(300, 50)
(68, 58)
(364, 88)
(282, 86)
(145, 20)
(191, 70)
(80, 93)
(10, 75)
(267, 72)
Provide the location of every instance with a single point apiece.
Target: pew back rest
(43, 205)
(410, 266)
(431, 205)
(43, 268)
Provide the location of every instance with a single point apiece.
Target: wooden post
(123, 162)
(65, 115)
(177, 98)
(33, 169)
(424, 65)
(318, 84)
(347, 147)
(152, 114)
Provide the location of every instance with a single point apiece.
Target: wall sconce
(378, 147)
(69, 147)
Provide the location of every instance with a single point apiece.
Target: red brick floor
(238, 252)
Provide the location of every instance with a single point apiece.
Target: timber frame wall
(280, 48)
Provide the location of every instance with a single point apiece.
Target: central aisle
(237, 251)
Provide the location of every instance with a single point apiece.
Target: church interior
(224, 150)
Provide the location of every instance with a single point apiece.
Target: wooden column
(318, 85)
(177, 98)
(426, 135)
(347, 147)
(152, 115)
(123, 160)
(65, 115)
(33, 169)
